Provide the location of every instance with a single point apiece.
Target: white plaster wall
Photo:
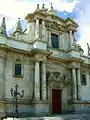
(25, 83)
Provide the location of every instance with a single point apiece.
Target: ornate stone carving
(88, 49)
(76, 47)
(74, 65)
(58, 77)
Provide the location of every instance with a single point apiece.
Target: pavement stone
(59, 117)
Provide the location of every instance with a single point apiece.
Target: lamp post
(15, 94)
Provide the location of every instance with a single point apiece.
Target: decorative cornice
(64, 60)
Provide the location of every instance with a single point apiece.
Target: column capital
(74, 65)
(70, 31)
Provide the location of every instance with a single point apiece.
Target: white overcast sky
(14, 9)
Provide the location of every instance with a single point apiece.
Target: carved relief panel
(58, 77)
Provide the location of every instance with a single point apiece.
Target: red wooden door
(56, 101)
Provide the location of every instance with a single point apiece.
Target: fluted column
(74, 84)
(79, 82)
(37, 29)
(43, 81)
(37, 81)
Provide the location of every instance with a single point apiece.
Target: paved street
(57, 117)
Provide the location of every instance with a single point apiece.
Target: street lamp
(15, 94)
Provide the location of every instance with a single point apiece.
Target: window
(83, 79)
(54, 40)
(17, 68)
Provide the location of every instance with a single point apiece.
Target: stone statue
(88, 49)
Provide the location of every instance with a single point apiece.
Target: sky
(77, 9)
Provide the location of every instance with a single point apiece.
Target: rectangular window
(17, 69)
(54, 40)
(83, 79)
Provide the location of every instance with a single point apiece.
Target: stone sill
(18, 76)
(78, 102)
(82, 102)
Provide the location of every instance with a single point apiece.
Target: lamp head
(16, 86)
(11, 91)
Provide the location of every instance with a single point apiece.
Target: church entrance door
(56, 101)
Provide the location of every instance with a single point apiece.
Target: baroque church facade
(47, 63)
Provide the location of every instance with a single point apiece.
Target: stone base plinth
(41, 108)
(81, 106)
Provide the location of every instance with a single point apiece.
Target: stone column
(71, 38)
(74, 34)
(37, 29)
(60, 42)
(2, 78)
(43, 81)
(79, 82)
(87, 79)
(65, 93)
(49, 42)
(74, 84)
(43, 30)
(37, 82)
